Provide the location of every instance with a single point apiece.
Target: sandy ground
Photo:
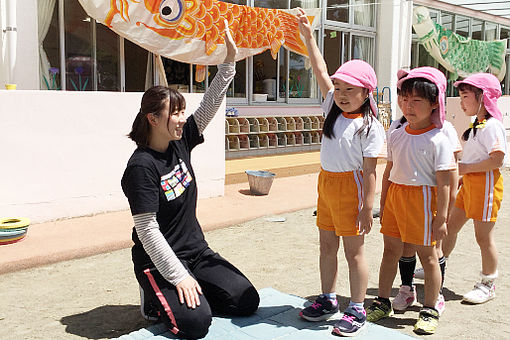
(97, 297)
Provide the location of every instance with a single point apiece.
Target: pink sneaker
(440, 304)
(404, 298)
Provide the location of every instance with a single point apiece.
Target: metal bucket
(260, 181)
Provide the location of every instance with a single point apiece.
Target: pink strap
(163, 301)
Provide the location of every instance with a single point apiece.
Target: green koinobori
(459, 55)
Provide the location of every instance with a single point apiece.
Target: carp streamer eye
(171, 10)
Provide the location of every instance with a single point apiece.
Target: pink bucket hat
(359, 73)
(435, 76)
(491, 88)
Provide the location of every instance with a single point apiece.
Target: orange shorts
(340, 200)
(408, 213)
(480, 195)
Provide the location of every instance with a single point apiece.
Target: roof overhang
(497, 11)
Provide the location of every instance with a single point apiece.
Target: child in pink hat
(415, 188)
(352, 141)
(481, 192)
(407, 295)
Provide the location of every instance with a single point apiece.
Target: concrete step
(282, 165)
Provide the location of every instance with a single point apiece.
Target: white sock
(331, 297)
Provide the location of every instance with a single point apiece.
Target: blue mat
(276, 318)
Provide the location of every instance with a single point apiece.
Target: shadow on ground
(109, 321)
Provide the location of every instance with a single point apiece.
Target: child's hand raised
(230, 44)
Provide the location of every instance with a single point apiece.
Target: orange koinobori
(191, 31)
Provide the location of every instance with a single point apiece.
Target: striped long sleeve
(214, 95)
(158, 249)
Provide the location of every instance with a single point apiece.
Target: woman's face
(347, 97)
(168, 125)
(468, 102)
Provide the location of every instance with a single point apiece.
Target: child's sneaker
(351, 323)
(378, 310)
(440, 304)
(419, 273)
(483, 292)
(320, 310)
(427, 322)
(405, 298)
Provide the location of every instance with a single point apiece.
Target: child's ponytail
(329, 123)
(465, 135)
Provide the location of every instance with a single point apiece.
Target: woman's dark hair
(335, 111)
(478, 93)
(420, 87)
(153, 101)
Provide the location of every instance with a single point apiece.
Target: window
(504, 33)
(363, 48)
(338, 10)
(364, 13)
(91, 52)
(301, 81)
(333, 47)
(354, 12)
(108, 58)
(50, 53)
(462, 25)
(78, 48)
(178, 75)
(269, 75)
(447, 20)
(490, 31)
(135, 60)
(434, 15)
(476, 29)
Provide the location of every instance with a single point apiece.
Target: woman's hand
(230, 44)
(304, 24)
(364, 221)
(189, 290)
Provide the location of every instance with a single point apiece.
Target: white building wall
(26, 69)
(63, 153)
(393, 44)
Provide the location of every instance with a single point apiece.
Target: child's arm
(454, 184)
(385, 186)
(319, 66)
(495, 161)
(365, 218)
(439, 222)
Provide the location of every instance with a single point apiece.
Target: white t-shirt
(490, 138)
(416, 156)
(346, 150)
(448, 129)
